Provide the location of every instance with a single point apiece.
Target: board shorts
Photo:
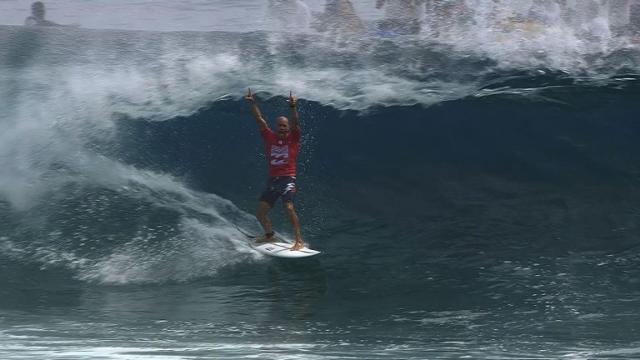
(279, 186)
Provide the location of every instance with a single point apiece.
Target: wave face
(99, 126)
(458, 167)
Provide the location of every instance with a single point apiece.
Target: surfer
(37, 16)
(281, 151)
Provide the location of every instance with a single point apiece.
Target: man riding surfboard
(281, 151)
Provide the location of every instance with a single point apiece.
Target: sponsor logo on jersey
(279, 155)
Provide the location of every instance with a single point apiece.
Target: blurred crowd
(596, 19)
(588, 18)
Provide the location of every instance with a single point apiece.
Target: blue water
(474, 193)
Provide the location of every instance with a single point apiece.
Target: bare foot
(297, 246)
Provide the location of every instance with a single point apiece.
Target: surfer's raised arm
(262, 123)
(295, 122)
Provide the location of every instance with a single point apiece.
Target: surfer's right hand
(249, 97)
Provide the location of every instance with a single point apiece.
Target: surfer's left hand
(250, 98)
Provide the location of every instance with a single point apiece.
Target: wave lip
(163, 75)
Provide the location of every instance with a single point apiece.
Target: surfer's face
(283, 126)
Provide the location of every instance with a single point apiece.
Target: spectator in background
(545, 12)
(402, 17)
(443, 16)
(623, 16)
(340, 18)
(289, 15)
(634, 21)
(594, 25)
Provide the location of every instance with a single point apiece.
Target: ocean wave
(114, 143)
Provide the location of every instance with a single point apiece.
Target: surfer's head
(37, 9)
(283, 126)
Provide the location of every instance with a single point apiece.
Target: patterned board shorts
(281, 186)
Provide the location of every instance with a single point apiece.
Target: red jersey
(281, 153)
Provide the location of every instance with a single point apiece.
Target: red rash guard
(281, 153)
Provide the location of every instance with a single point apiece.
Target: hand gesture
(292, 100)
(249, 97)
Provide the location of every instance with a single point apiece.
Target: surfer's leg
(263, 217)
(293, 217)
(289, 191)
(267, 200)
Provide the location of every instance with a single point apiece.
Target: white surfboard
(278, 248)
(283, 250)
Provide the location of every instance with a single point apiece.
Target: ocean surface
(475, 191)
